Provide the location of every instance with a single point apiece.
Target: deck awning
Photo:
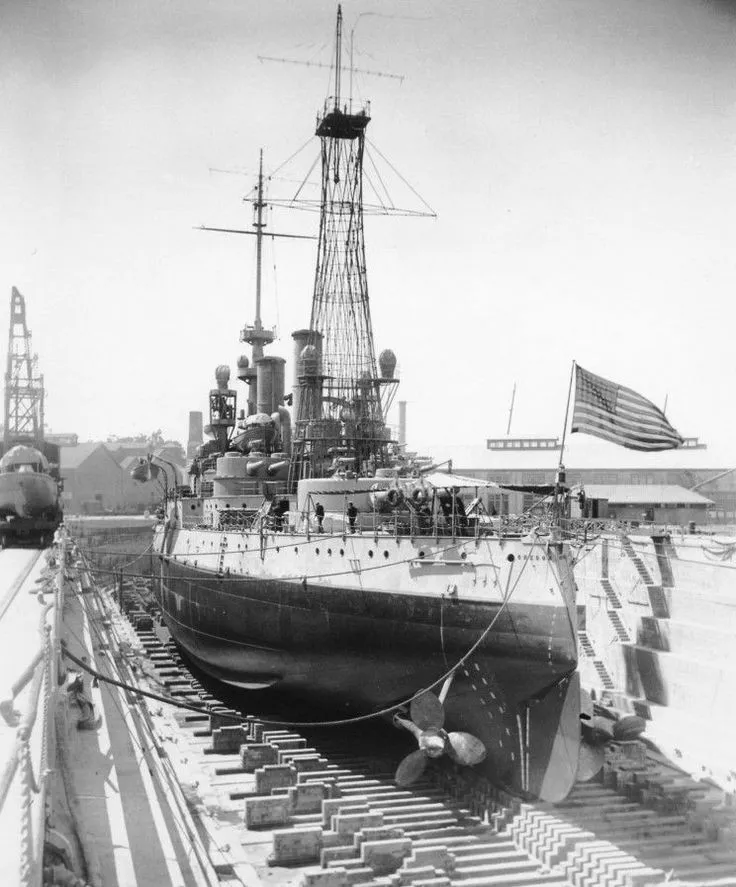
(449, 481)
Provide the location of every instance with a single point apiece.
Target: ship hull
(365, 649)
(361, 636)
(27, 495)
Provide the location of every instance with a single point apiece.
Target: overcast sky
(579, 154)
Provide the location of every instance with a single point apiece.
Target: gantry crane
(24, 389)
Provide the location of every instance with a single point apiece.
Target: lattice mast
(339, 404)
(24, 391)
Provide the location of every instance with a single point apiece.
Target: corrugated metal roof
(581, 452)
(645, 494)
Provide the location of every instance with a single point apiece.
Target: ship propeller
(597, 732)
(427, 713)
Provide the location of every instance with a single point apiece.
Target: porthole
(316, 550)
(277, 549)
(329, 551)
(510, 558)
(385, 554)
(421, 554)
(296, 549)
(193, 507)
(227, 505)
(464, 556)
(370, 553)
(342, 552)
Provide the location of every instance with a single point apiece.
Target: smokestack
(270, 387)
(195, 439)
(311, 388)
(402, 423)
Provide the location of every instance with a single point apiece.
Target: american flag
(618, 414)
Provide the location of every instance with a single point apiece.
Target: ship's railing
(588, 529)
(26, 772)
(415, 523)
(397, 523)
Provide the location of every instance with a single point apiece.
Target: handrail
(40, 673)
(28, 718)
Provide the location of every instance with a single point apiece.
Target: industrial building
(650, 503)
(97, 480)
(589, 461)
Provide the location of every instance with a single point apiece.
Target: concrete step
(516, 865)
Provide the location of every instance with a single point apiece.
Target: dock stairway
(619, 627)
(588, 649)
(613, 599)
(641, 568)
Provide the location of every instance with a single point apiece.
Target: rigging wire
(403, 179)
(306, 177)
(368, 179)
(291, 157)
(275, 278)
(380, 179)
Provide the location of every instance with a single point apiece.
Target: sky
(579, 155)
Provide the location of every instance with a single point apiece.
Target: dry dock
(114, 788)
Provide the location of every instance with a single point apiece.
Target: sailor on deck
(352, 514)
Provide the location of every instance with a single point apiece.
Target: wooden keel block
(228, 740)
(267, 812)
(297, 846)
(274, 776)
(254, 755)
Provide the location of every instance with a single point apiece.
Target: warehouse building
(589, 461)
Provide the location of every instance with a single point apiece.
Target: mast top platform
(342, 124)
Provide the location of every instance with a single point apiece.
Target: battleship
(311, 556)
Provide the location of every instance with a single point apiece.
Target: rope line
(289, 723)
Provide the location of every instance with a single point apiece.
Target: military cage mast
(24, 389)
(341, 399)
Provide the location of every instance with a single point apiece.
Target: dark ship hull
(359, 639)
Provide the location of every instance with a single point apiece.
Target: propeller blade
(590, 761)
(628, 728)
(427, 712)
(408, 725)
(411, 768)
(465, 748)
(597, 730)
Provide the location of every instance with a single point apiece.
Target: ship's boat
(29, 494)
(27, 489)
